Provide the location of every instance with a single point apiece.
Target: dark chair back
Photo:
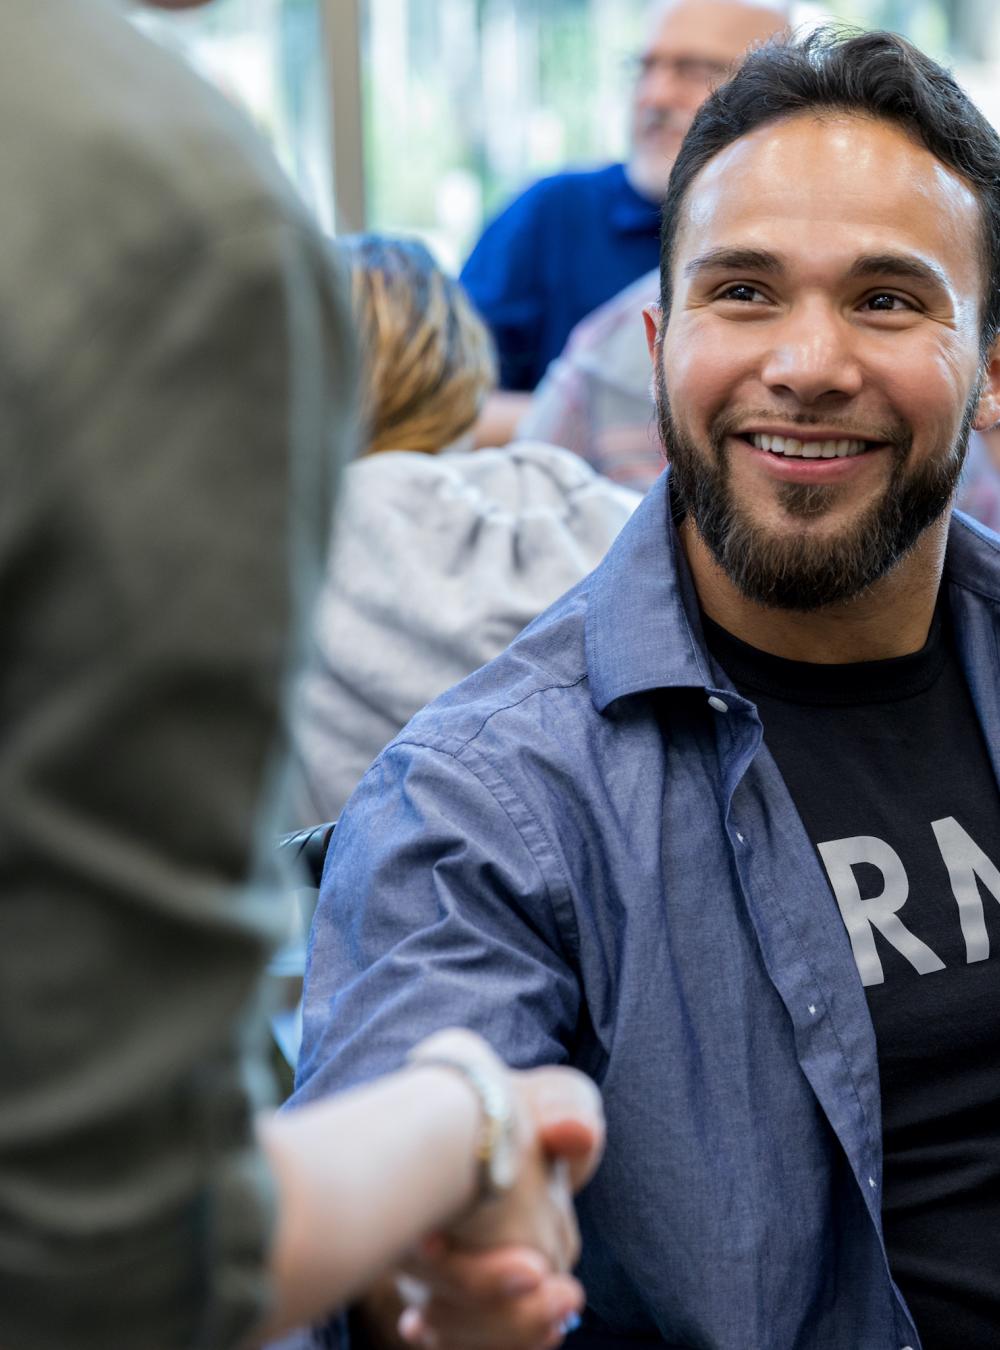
(309, 846)
(287, 966)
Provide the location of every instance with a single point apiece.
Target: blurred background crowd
(443, 109)
(460, 152)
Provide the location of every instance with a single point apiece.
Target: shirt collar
(972, 559)
(643, 629)
(643, 624)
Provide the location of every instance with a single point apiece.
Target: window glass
(467, 101)
(464, 102)
(267, 55)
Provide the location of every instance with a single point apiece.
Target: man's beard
(791, 569)
(649, 164)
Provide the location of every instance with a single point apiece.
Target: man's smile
(819, 456)
(809, 447)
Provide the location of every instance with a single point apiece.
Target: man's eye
(742, 292)
(887, 303)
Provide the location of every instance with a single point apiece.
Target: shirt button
(717, 704)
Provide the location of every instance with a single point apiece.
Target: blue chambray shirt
(585, 853)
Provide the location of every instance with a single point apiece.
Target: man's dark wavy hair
(875, 75)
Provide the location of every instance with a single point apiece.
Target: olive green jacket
(174, 376)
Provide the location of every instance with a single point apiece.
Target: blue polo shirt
(557, 252)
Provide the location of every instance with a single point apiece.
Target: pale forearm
(360, 1178)
(497, 423)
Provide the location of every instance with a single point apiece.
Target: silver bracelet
(496, 1155)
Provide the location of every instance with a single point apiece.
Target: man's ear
(987, 412)
(652, 318)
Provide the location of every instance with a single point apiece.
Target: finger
(474, 1277)
(559, 1238)
(531, 1322)
(412, 1329)
(560, 1332)
(578, 1143)
(567, 1250)
(432, 1246)
(557, 1092)
(570, 1118)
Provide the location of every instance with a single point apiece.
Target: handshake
(499, 1275)
(455, 1176)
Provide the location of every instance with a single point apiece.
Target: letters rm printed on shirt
(882, 910)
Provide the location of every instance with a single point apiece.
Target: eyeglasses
(693, 70)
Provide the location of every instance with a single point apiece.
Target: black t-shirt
(887, 766)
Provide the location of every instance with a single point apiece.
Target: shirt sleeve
(503, 278)
(434, 911)
(169, 473)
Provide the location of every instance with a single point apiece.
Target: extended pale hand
(499, 1276)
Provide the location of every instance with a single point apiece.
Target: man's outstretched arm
(435, 911)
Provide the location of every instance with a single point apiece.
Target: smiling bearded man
(787, 568)
(721, 826)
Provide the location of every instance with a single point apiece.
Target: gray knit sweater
(440, 561)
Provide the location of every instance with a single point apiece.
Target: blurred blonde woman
(442, 553)
(428, 360)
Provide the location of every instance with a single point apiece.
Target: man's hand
(505, 1299)
(498, 1279)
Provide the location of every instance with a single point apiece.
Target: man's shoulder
(512, 700)
(572, 188)
(604, 178)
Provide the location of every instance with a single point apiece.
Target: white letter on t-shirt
(861, 916)
(965, 861)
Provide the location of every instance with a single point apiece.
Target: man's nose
(813, 357)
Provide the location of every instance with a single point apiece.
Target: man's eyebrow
(870, 265)
(734, 260)
(899, 265)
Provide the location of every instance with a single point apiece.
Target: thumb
(569, 1118)
(579, 1145)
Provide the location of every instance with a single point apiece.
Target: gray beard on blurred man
(791, 570)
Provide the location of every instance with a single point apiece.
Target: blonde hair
(427, 358)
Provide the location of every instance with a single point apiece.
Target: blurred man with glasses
(574, 240)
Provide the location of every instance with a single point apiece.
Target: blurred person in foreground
(177, 372)
(597, 399)
(572, 241)
(721, 828)
(442, 558)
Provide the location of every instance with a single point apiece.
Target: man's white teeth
(788, 445)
